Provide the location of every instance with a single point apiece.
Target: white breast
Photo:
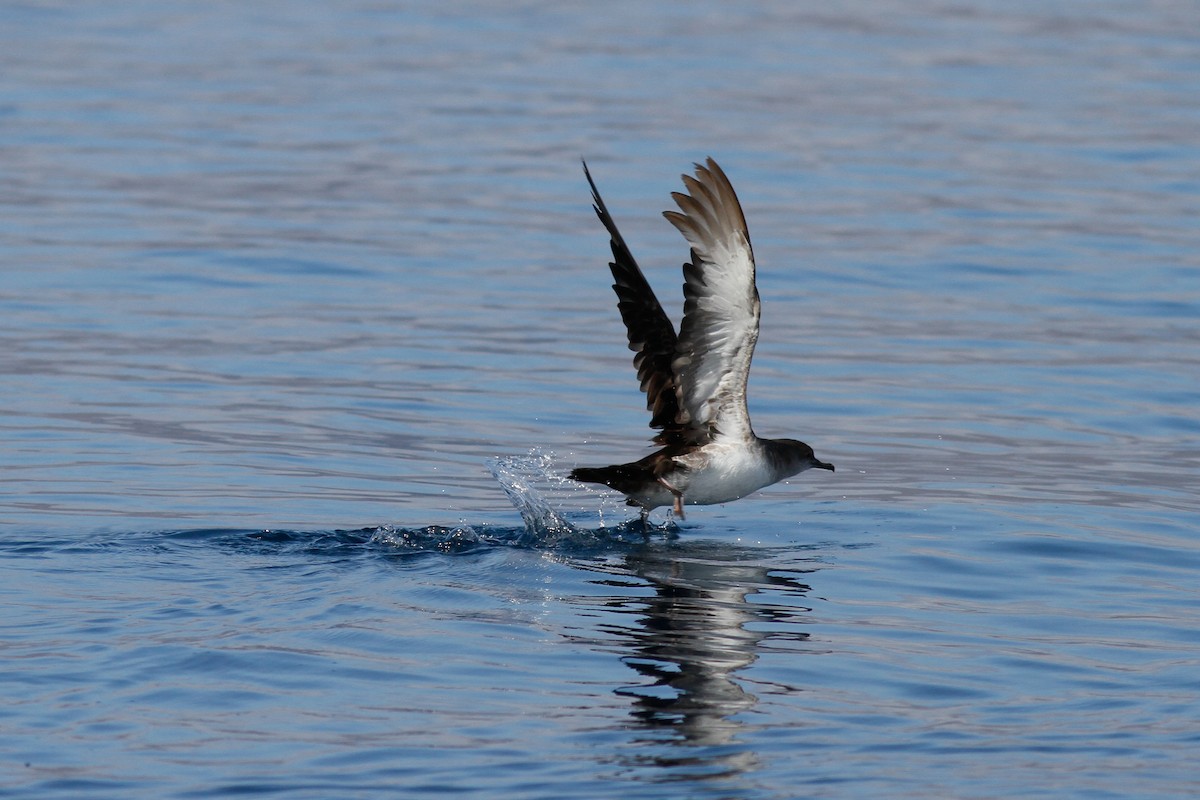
(721, 473)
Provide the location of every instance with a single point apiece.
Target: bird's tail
(622, 477)
(592, 474)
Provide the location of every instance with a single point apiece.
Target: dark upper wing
(721, 307)
(651, 334)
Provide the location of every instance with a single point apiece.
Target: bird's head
(797, 456)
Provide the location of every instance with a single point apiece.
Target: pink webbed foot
(678, 507)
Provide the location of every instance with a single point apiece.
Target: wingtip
(597, 202)
(709, 165)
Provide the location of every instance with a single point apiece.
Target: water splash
(519, 477)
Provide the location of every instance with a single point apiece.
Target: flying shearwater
(695, 382)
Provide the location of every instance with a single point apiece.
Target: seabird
(695, 381)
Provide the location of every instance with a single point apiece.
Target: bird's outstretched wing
(651, 334)
(721, 307)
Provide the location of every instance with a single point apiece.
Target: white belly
(716, 474)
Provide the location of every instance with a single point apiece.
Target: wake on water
(557, 514)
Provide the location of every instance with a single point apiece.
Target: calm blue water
(282, 285)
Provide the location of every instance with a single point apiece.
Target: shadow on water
(712, 607)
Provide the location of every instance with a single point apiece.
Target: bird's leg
(678, 498)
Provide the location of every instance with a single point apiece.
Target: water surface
(281, 283)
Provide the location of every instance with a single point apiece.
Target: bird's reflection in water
(712, 606)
